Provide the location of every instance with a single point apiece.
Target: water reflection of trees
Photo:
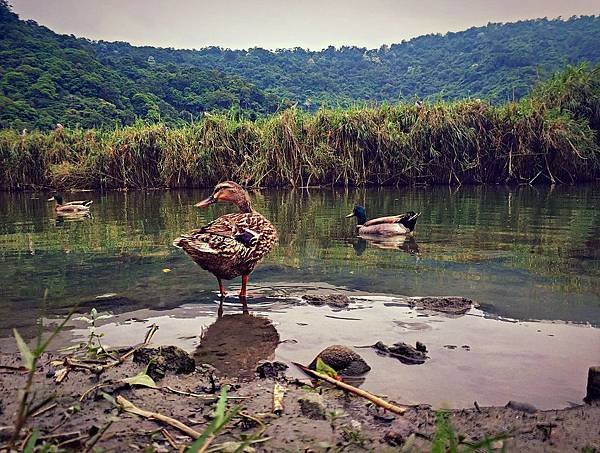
(548, 233)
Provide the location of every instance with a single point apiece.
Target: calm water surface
(529, 256)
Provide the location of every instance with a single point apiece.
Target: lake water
(529, 256)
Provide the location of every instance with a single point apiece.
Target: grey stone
(164, 359)
(450, 305)
(343, 360)
(333, 300)
(270, 370)
(523, 407)
(403, 352)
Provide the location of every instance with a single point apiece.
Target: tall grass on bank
(551, 136)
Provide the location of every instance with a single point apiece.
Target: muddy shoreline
(334, 421)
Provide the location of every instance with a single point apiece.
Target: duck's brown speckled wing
(231, 245)
(380, 220)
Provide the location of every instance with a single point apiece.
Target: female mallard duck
(397, 225)
(72, 207)
(233, 244)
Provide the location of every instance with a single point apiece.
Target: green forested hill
(47, 78)
(497, 62)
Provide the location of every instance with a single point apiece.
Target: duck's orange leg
(221, 287)
(243, 292)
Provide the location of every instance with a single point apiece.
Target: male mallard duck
(397, 225)
(72, 207)
(233, 244)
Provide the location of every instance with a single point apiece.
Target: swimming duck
(72, 207)
(233, 244)
(397, 225)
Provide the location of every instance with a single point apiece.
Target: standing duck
(398, 225)
(72, 207)
(233, 244)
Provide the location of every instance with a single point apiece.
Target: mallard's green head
(360, 213)
(58, 197)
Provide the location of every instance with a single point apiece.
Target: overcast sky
(272, 24)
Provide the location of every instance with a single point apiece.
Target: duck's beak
(350, 215)
(205, 203)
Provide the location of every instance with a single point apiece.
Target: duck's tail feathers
(178, 242)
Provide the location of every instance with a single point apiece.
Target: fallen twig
(200, 395)
(70, 441)
(14, 368)
(60, 435)
(350, 388)
(167, 435)
(44, 409)
(91, 389)
(244, 444)
(127, 406)
(61, 375)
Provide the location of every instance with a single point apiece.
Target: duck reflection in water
(234, 344)
(407, 244)
(61, 218)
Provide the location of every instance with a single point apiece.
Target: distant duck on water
(72, 207)
(398, 225)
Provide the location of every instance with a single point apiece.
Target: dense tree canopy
(46, 78)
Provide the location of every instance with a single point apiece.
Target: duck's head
(360, 213)
(409, 220)
(228, 192)
(58, 197)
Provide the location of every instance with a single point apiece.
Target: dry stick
(91, 389)
(127, 406)
(167, 435)
(13, 368)
(374, 399)
(200, 395)
(45, 409)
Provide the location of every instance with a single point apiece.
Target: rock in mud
(403, 352)
(164, 359)
(523, 407)
(593, 384)
(312, 406)
(270, 370)
(449, 305)
(332, 300)
(343, 360)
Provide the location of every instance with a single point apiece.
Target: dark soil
(350, 423)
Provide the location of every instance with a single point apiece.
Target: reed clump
(550, 137)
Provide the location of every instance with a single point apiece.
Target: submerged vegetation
(550, 136)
